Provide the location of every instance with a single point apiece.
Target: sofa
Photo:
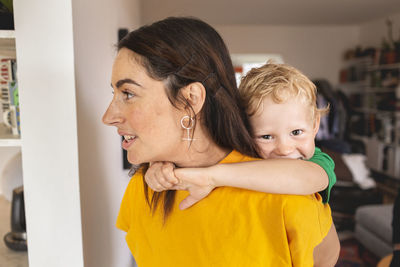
(373, 228)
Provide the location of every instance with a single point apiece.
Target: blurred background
(56, 61)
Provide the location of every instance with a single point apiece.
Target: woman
(175, 99)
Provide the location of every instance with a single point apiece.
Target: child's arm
(280, 176)
(276, 176)
(284, 176)
(327, 163)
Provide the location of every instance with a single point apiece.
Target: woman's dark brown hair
(180, 51)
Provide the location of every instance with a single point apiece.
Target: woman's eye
(128, 95)
(297, 132)
(266, 137)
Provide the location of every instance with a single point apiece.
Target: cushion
(376, 219)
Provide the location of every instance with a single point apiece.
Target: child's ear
(195, 94)
(317, 121)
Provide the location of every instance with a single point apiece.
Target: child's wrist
(213, 176)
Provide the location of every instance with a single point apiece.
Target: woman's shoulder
(312, 200)
(310, 208)
(235, 156)
(136, 178)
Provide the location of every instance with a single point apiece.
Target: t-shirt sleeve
(327, 163)
(125, 212)
(307, 221)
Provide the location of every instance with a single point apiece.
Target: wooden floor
(9, 258)
(353, 254)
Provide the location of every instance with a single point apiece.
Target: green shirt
(326, 162)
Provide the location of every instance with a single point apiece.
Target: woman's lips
(128, 141)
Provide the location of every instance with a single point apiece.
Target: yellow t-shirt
(230, 227)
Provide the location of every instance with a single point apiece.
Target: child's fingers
(152, 179)
(160, 176)
(163, 175)
(188, 202)
(180, 186)
(168, 174)
(164, 183)
(154, 185)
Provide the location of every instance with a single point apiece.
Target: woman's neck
(202, 152)
(203, 157)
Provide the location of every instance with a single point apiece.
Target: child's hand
(160, 176)
(196, 181)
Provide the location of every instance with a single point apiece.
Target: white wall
(372, 33)
(46, 80)
(102, 179)
(315, 50)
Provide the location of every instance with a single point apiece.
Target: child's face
(284, 130)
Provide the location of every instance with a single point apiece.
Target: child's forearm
(277, 176)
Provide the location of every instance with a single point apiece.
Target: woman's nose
(112, 116)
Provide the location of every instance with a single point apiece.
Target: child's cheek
(264, 148)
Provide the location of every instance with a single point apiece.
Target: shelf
(7, 34)
(354, 84)
(353, 87)
(12, 142)
(7, 49)
(382, 172)
(367, 139)
(7, 139)
(363, 86)
(381, 128)
(380, 90)
(384, 67)
(358, 61)
(7, 44)
(373, 110)
(362, 89)
(359, 138)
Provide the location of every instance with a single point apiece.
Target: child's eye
(297, 132)
(266, 137)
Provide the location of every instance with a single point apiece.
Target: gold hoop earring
(188, 128)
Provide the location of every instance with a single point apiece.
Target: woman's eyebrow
(123, 81)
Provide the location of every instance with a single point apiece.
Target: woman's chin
(134, 160)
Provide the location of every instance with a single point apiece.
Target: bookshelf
(10, 142)
(8, 137)
(374, 92)
(7, 34)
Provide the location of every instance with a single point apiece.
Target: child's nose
(284, 148)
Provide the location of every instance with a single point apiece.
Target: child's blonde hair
(280, 82)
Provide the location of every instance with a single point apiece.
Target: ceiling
(272, 12)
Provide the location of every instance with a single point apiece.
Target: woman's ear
(195, 94)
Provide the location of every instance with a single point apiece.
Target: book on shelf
(9, 112)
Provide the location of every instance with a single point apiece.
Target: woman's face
(142, 113)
